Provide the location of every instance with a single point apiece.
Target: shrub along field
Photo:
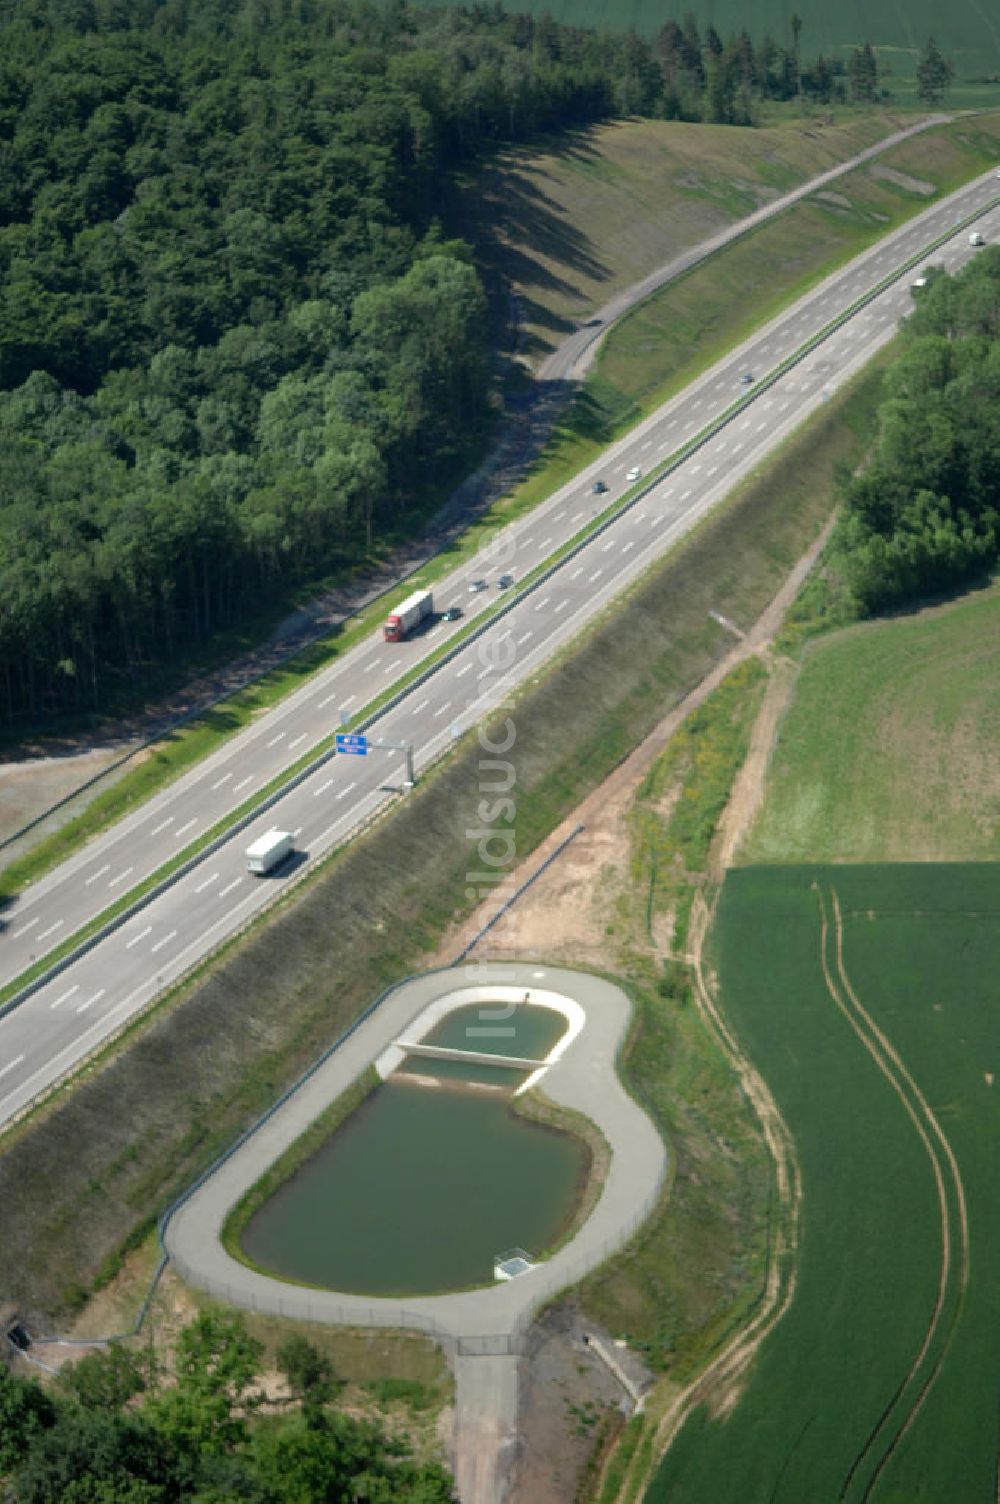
(881, 1380)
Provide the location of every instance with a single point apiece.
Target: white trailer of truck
(401, 622)
(268, 850)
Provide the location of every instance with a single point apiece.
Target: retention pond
(432, 1176)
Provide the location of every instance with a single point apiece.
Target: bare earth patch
(901, 179)
(568, 1402)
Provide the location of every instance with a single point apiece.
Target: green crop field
(888, 749)
(867, 996)
(967, 30)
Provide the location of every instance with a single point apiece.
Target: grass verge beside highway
(90, 1165)
(570, 224)
(683, 329)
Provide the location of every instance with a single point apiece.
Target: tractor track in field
(719, 1382)
(954, 1271)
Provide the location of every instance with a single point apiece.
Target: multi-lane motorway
(64, 1020)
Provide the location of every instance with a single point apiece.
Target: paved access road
(70, 1016)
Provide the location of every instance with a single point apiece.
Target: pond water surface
(426, 1182)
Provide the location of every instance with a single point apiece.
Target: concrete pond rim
(579, 1074)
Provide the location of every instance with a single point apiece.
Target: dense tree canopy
(924, 517)
(934, 73)
(200, 1437)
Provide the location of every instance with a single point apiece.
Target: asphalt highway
(66, 1019)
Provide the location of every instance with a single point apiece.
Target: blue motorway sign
(356, 744)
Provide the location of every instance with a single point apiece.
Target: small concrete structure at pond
(512, 1263)
(480, 1330)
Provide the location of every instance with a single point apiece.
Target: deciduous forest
(109, 1431)
(924, 518)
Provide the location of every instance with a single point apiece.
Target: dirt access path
(953, 1276)
(557, 917)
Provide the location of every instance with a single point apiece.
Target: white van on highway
(268, 850)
